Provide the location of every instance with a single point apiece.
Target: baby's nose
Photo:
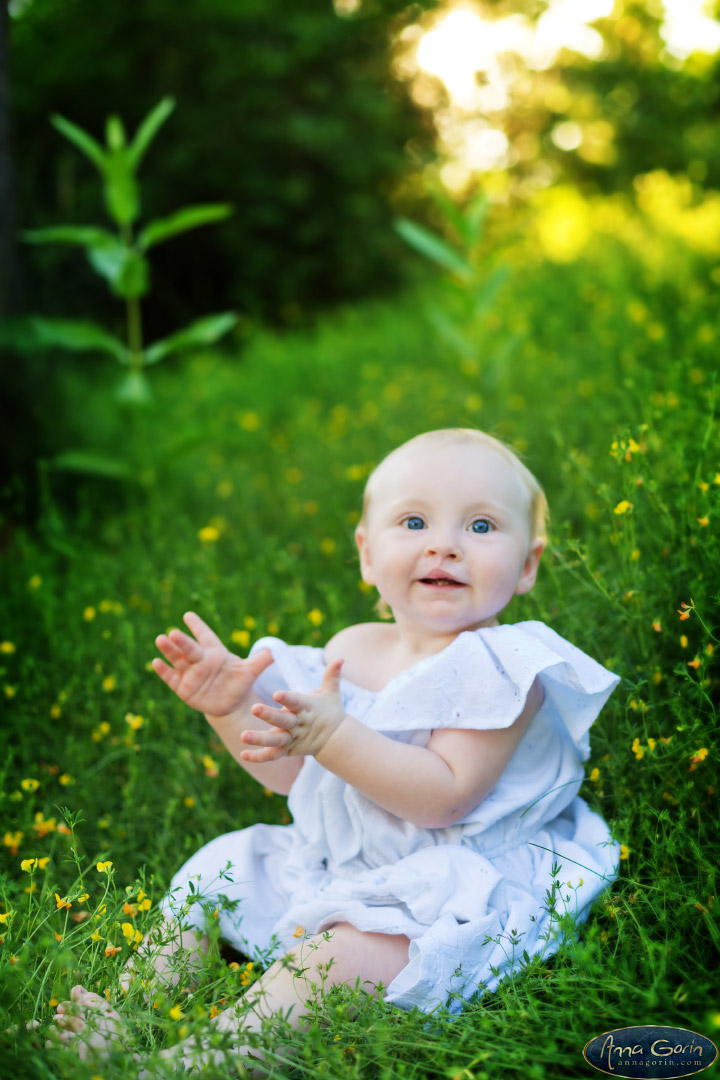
(443, 545)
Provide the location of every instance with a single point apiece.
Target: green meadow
(599, 366)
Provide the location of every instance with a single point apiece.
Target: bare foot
(87, 1023)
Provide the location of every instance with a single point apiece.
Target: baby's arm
(209, 678)
(432, 786)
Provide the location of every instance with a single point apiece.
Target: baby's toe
(68, 1021)
(86, 997)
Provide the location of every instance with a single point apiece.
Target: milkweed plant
(120, 257)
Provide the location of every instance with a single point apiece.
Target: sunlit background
(471, 68)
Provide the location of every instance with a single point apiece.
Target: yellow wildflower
(89, 614)
(7, 647)
(109, 683)
(4, 917)
(176, 1013)
(211, 768)
(209, 534)
(651, 743)
(35, 582)
(637, 749)
(299, 931)
(63, 902)
(135, 722)
(623, 507)
(624, 851)
(315, 617)
(595, 775)
(29, 865)
(112, 949)
(55, 711)
(704, 521)
(248, 421)
(10, 691)
(189, 801)
(30, 784)
(13, 841)
(104, 867)
(66, 779)
(128, 930)
(241, 638)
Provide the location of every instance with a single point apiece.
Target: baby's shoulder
(363, 647)
(361, 636)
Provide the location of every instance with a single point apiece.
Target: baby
(432, 764)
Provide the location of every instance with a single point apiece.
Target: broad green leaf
(82, 140)
(134, 389)
(121, 191)
(188, 218)
(452, 213)
(127, 272)
(204, 331)
(447, 330)
(474, 217)
(489, 289)
(148, 130)
(134, 280)
(94, 464)
(18, 334)
(109, 258)
(86, 235)
(432, 247)
(76, 335)
(115, 133)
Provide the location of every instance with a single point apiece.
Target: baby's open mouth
(445, 583)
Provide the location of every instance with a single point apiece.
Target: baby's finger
(282, 718)
(167, 674)
(331, 675)
(187, 645)
(292, 700)
(265, 753)
(201, 630)
(171, 652)
(271, 737)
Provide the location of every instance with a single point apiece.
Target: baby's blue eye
(414, 523)
(480, 525)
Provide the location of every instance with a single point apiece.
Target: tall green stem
(134, 325)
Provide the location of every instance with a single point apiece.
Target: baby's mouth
(443, 583)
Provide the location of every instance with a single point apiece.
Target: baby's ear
(362, 546)
(530, 569)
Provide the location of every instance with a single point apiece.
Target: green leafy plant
(121, 257)
(469, 291)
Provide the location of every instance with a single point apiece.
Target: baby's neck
(412, 643)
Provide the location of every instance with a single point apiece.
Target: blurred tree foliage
(286, 110)
(634, 109)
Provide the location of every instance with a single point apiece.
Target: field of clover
(249, 473)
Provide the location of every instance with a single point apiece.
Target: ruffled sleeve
(482, 680)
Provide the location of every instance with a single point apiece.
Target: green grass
(604, 378)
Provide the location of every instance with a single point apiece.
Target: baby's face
(447, 537)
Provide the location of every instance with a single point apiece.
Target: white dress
(472, 897)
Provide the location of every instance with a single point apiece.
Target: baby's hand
(303, 725)
(204, 674)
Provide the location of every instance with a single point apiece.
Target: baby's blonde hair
(538, 510)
